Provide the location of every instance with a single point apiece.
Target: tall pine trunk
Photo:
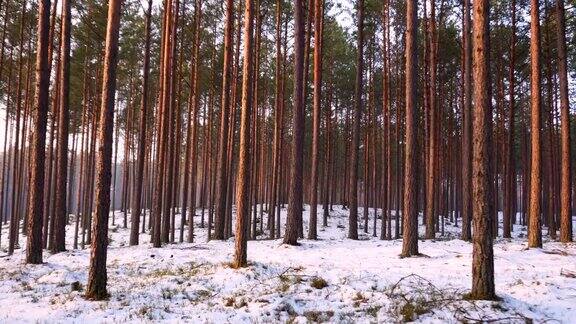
(97, 276)
(467, 128)
(137, 194)
(17, 156)
(534, 213)
(296, 167)
(318, 28)
(410, 211)
(431, 188)
(277, 122)
(510, 182)
(565, 178)
(354, 158)
(482, 253)
(192, 120)
(36, 200)
(243, 184)
(61, 210)
(221, 169)
(195, 102)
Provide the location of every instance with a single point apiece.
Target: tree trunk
(195, 102)
(353, 184)
(296, 168)
(17, 160)
(510, 182)
(221, 169)
(191, 125)
(82, 155)
(163, 132)
(565, 178)
(534, 213)
(169, 101)
(467, 129)
(6, 123)
(35, 207)
(318, 28)
(410, 212)
(277, 122)
(97, 276)
(431, 189)
(482, 255)
(61, 212)
(243, 185)
(137, 195)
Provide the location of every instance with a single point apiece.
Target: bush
(319, 283)
(76, 286)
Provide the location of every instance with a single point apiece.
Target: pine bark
(195, 102)
(221, 169)
(386, 226)
(467, 129)
(318, 28)
(159, 199)
(36, 200)
(277, 122)
(137, 194)
(244, 161)
(97, 276)
(534, 213)
(190, 168)
(510, 165)
(565, 177)
(354, 156)
(410, 212)
(431, 188)
(17, 156)
(482, 250)
(296, 153)
(6, 123)
(61, 211)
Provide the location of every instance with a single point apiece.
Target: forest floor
(333, 279)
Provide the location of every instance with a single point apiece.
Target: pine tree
(353, 185)
(565, 178)
(534, 214)
(221, 169)
(137, 195)
(467, 127)
(510, 165)
(296, 167)
(410, 212)
(17, 156)
(244, 160)
(97, 276)
(35, 207)
(318, 28)
(482, 254)
(431, 189)
(278, 117)
(61, 211)
(194, 108)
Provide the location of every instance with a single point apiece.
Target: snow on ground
(333, 279)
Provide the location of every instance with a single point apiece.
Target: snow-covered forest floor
(333, 279)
